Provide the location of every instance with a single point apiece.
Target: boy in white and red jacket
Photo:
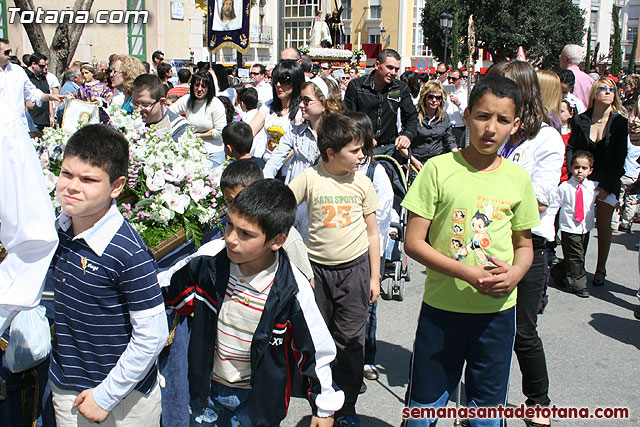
(255, 319)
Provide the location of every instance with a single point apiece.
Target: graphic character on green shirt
(480, 240)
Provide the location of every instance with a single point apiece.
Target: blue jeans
(444, 341)
(226, 407)
(217, 158)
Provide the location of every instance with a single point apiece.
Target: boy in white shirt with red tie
(575, 204)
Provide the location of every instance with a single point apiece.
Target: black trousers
(342, 295)
(528, 345)
(574, 249)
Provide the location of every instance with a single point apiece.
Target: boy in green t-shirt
(478, 249)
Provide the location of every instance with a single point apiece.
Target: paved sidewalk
(591, 346)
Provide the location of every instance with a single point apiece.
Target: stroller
(397, 268)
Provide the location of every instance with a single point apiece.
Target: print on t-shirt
(274, 133)
(480, 240)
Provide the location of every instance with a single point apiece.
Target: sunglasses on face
(436, 97)
(306, 100)
(325, 68)
(454, 79)
(282, 81)
(254, 73)
(7, 52)
(440, 72)
(607, 89)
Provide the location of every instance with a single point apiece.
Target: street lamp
(386, 39)
(446, 22)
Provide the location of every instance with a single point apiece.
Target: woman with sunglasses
(434, 135)
(205, 113)
(602, 130)
(320, 96)
(537, 148)
(275, 118)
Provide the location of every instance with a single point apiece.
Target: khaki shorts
(135, 410)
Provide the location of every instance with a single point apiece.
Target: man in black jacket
(380, 96)
(35, 72)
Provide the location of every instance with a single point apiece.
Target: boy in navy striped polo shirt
(110, 323)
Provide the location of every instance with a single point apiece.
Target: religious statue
(319, 32)
(335, 26)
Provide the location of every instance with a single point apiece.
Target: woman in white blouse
(320, 97)
(205, 113)
(276, 117)
(538, 149)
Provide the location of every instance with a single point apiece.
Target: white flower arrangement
(323, 52)
(169, 184)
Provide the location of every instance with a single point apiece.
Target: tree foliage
(616, 46)
(65, 39)
(541, 27)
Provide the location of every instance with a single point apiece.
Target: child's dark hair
(149, 82)
(229, 109)
(270, 203)
(499, 86)
(583, 154)
(571, 107)
(249, 96)
(240, 173)
(101, 146)
(364, 123)
(336, 131)
(239, 136)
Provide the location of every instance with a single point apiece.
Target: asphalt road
(591, 347)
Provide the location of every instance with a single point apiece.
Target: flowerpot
(166, 246)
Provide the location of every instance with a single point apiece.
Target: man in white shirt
(156, 58)
(265, 92)
(441, 72)
(15, 86)
(26, 213)
(456, 104)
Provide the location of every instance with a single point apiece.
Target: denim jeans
(444, 341)
(217, 158)
(226, 407)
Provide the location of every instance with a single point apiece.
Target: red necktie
(579, 204)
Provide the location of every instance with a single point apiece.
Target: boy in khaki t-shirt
(343, 247)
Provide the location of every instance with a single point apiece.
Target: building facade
(174, 27)
(391, 24)
(599, 18)
(178, 28)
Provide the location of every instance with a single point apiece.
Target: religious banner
(228, 24)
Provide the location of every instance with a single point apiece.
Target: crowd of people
(292, 287)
